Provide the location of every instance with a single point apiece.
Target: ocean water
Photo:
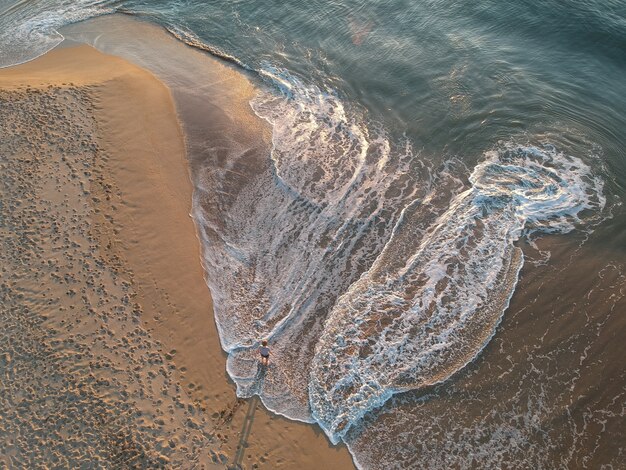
(436, 249)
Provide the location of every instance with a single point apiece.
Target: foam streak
(429, 305)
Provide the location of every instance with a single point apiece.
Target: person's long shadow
(249, 418)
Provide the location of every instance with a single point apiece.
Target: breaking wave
(301, 231)
(370, 272)
(28, 29)
(430, 303)
(314, 137)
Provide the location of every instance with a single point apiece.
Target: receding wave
(314, 136)
(430, 303)
(369, 272)
(29, 29)
(300, 231)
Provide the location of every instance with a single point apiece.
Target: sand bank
(109, 350)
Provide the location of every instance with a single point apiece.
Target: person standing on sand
(265, 353)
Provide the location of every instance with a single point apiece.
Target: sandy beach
(420, 209)
(110, 355)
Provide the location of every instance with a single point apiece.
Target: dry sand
(109, 355)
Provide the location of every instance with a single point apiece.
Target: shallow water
(422, 153)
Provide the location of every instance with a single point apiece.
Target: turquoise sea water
(424, 153)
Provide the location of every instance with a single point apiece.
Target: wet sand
(110, 356)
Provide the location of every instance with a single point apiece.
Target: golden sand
(110, 355)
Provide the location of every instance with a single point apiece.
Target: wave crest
(430, 304)
(319, 151)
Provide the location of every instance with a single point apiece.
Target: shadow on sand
(248, 420)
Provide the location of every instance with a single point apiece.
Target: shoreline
(137, 209)
(109, 355)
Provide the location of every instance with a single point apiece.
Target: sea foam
(29, 31)
(429, 304)
(300, 232)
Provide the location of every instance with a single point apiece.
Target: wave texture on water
(28, 28)
(429, 304)
(301, 232)
(371, 269)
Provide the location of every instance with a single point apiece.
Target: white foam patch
(29, 29)
(299, 233)
(319, 151)
(429, 304)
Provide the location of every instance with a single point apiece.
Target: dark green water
(455, 76)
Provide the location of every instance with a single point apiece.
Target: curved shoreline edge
(178, 317)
